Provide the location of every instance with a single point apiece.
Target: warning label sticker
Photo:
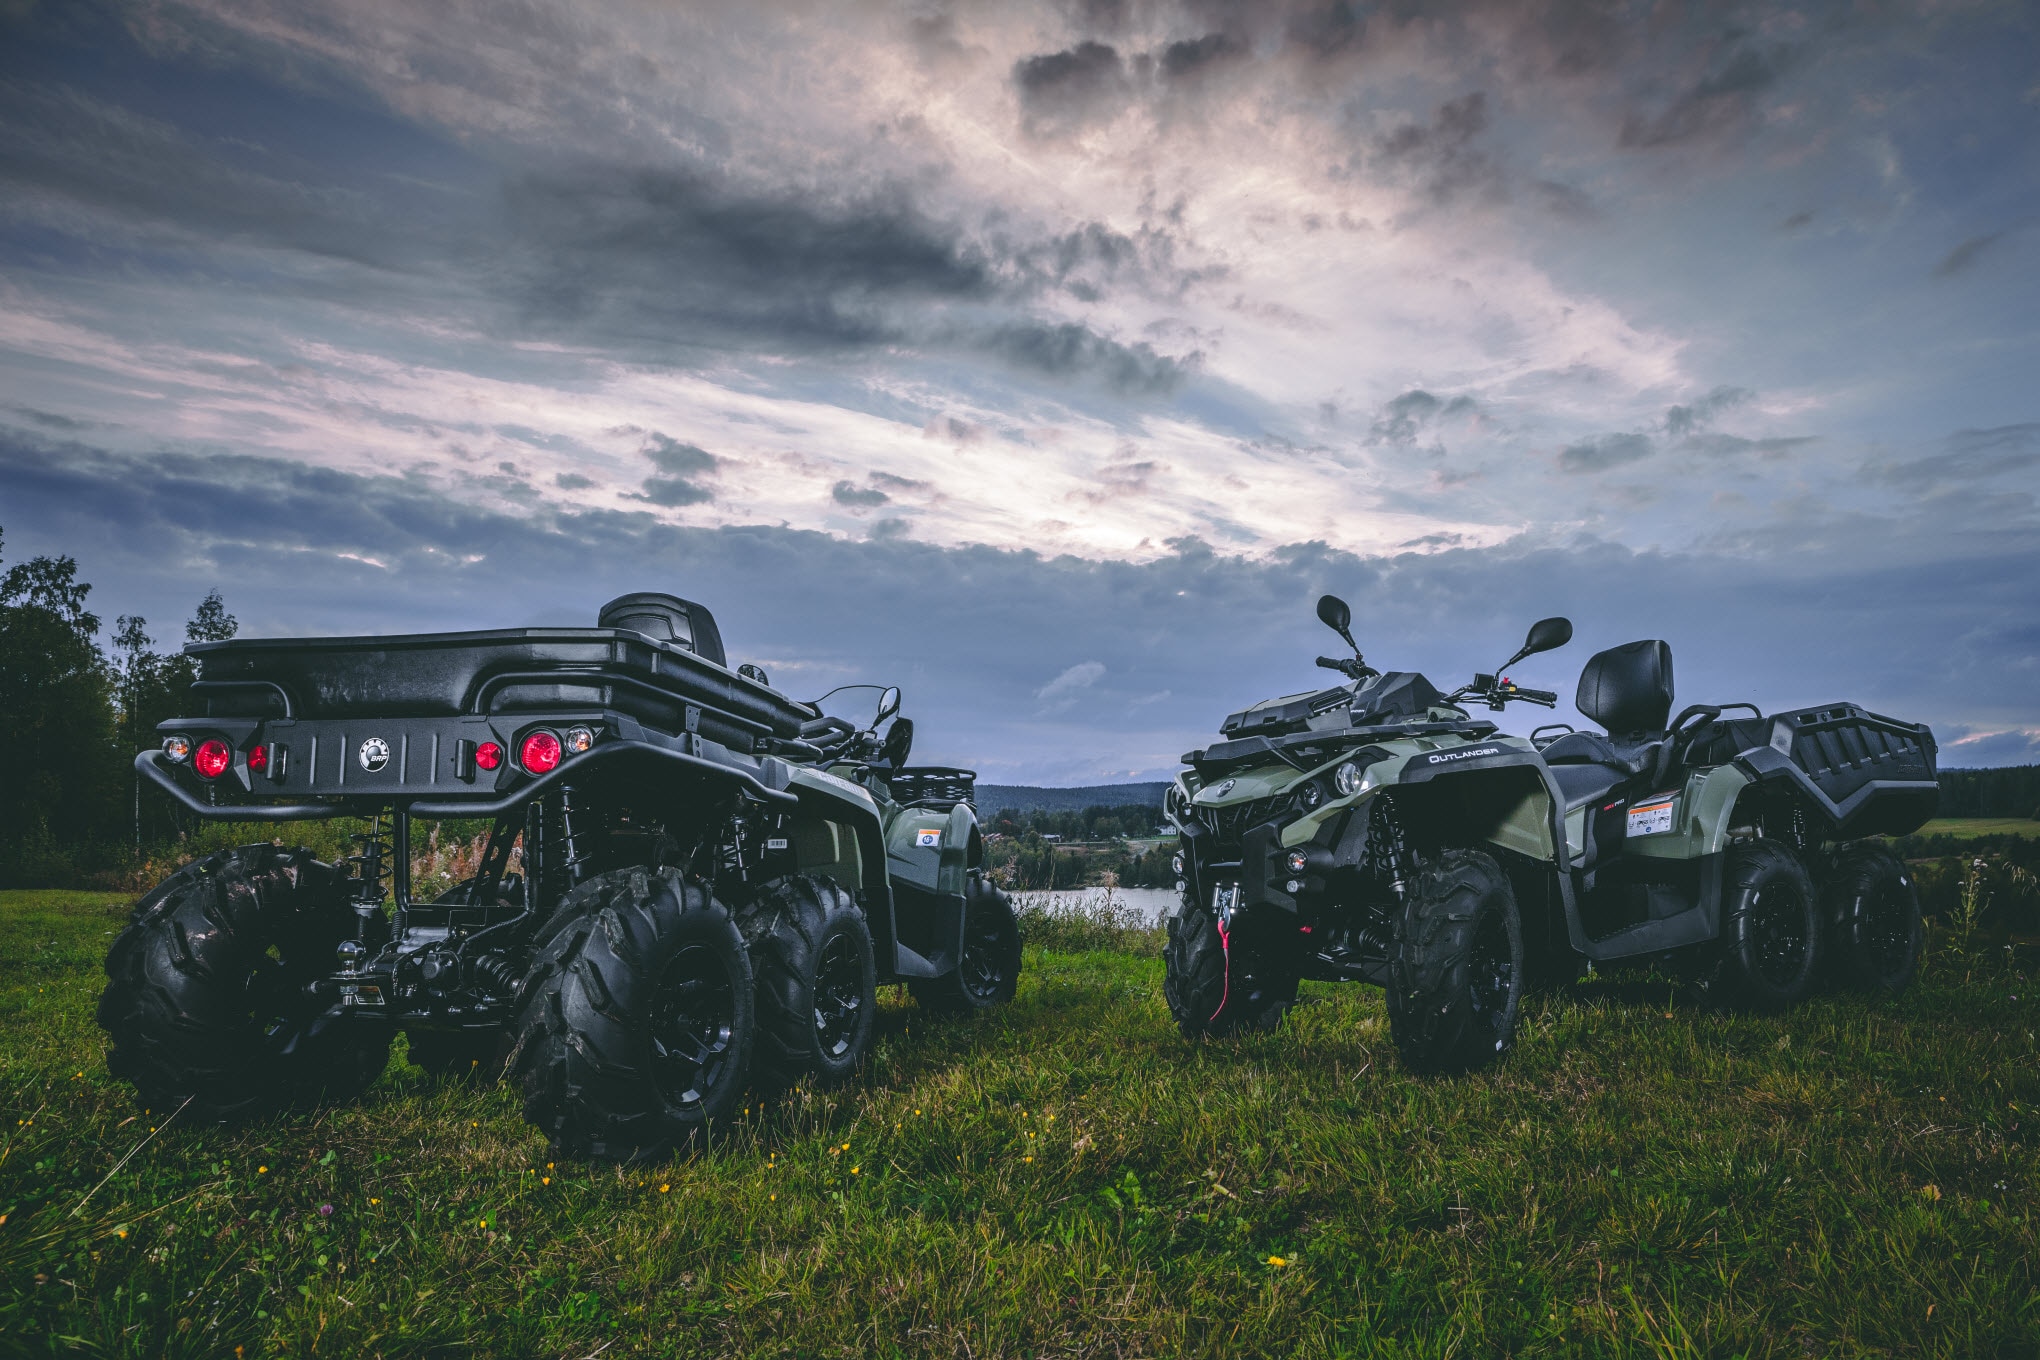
(1651, 819)
(931, 837)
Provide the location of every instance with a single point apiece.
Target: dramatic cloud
(1055, 334)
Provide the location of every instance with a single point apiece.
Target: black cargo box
(1877, 775)
(503, 670)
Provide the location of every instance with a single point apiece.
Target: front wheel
(989, 971)
(211, 992)
(637, 1021)
(1217, 983)
(1456, 972)
(1876, 918)
(1771, 937)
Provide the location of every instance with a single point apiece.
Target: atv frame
(649, 793)
(1310, 836)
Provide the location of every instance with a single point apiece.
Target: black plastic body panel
(427, 675)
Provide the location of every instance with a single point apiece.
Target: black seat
(1628, 690)
(1585, 784)
(667, 618)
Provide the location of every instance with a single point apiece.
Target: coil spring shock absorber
(574, 841)
(373, 867)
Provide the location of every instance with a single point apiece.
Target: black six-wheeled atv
(711, 879)
(1377, 831)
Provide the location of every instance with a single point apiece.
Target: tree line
(71, 805)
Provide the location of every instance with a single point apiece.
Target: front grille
(1229, 824)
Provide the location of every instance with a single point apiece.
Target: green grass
(1067, 1177)
(1968, 828)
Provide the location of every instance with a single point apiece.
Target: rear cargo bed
(1875, 775)
(501, 671)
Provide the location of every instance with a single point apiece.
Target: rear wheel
(1456, 970)
(1217, 982)
(209, 989)
(1771, 934)
(817, 982)
(989, 971)
(1875, 915)
(637, 1018)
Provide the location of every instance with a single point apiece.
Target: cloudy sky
(1049, 358)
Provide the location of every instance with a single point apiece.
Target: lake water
(1149, 904)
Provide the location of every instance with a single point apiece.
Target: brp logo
(374, 754)
(1223, 789)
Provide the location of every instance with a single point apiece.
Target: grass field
(1966, 828)
(1643, 1176)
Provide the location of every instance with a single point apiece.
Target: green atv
(693, 884)
(1376, 831)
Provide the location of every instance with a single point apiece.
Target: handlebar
(1546, 697)
(1352, 667)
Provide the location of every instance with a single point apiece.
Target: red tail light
(540, 753)
(488, 756)
(258, 758)
(212, 758)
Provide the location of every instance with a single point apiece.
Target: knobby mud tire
(989, 971)
(817, 982)
(636, 1020)
(1873, 910)
(1456, 969)
(205, 997)
(1218, 987)
(1771, 933)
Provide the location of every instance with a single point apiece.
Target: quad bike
(1378, 832)
(712, 880)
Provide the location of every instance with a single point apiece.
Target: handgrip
(1332, 663)
(1536, 696)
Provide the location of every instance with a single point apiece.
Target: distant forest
(76, 712)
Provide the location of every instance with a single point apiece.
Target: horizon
(1049, 360)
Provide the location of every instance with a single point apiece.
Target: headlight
(1311, 794)
(1347, 779)
(1176, 864)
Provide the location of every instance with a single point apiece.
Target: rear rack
(933, 786)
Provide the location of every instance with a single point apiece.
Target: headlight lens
(1311, 794)
(1347, 779)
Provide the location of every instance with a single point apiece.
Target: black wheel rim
(278, 1005)
(1778, 935)
(1491, 973)
(983, 955)
(839, 997)
(693, 1023)
(1884, 929)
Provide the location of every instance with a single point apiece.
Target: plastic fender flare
(837, 800)
(1714, 809)
(1559, 864)
(959, 838)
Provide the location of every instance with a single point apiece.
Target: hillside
(992, 798)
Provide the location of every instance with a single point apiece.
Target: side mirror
(751, 672)
(899, 744)
(1336, 615)
(888, 704)
(1545, 634)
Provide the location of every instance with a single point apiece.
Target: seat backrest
(667, 618)
(1628, 689)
